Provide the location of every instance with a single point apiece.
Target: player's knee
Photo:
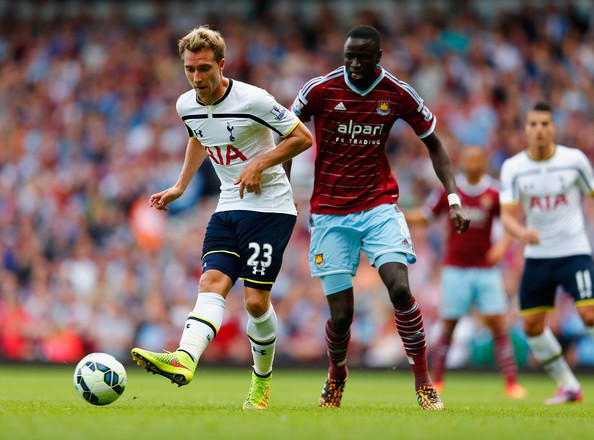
(587, 315)
(256, 306)
(215, 281)
(341, 321)
(400, 295)
(533, 328)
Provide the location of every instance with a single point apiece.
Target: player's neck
(473, 179)
(541, 153)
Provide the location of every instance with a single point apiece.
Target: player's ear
(222, 64)
(379, 55)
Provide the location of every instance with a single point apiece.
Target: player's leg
(261, 332)
(220, 265)
(201, 327)
(492, 304)
(388, 246)
(334, 257)
(455, 302)
(504, 356)
(262, 240)
(340, 297)
(580, 286)
(440, 352)
(537, 296)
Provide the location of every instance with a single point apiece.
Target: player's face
(360, 59)
(540, 129)
(205, 74)
(473, 161)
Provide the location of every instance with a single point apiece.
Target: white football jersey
(551, 194)
(235, 129)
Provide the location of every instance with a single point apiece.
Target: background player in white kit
(233, 123)
(548, 181)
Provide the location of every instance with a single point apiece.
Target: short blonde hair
(203, 38)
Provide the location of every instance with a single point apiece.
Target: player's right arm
(445, 172)
(510, 217)
(195, 156)
(510, 212)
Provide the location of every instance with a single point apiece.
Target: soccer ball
(99, 378)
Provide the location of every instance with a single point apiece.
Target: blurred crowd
(88, 130)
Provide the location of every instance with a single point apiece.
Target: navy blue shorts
(542, 276)
(248, 245)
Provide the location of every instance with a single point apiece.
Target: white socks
(202, 324)
(548, 352)
(262, 335)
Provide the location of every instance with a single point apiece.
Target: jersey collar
(221, 98)
(370, 88)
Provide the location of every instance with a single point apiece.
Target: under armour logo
(256, 270)
(262, 352)
(230, 130)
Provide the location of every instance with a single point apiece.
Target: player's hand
(250, 179)
(161, 199)
(459, 219)
(495, 253)
(530, 236)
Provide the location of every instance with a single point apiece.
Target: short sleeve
(586, 174)
(435, 204)
(308, 101)
(273, 114)
(416, 113)
(507, 194)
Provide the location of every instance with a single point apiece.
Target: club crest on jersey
(230, 130)
(279, 112)
(486, 201)
(383, 107)
(319, 259)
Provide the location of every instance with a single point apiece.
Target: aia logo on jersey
(224, 155)
(383, 107)
(548, 203)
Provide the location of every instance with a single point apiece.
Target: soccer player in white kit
(548, 181)
(233, 124)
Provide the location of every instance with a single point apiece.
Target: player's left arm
(445, 172)
(296, 142)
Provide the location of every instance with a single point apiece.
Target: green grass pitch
(41, 403)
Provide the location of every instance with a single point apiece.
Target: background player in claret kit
(470, 276)
(353, 205)
(233, 123)
(548, 181)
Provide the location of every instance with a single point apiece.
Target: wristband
(454, 199)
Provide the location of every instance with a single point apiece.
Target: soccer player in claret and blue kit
(544, 184)
(233, 124)
(353, 205)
